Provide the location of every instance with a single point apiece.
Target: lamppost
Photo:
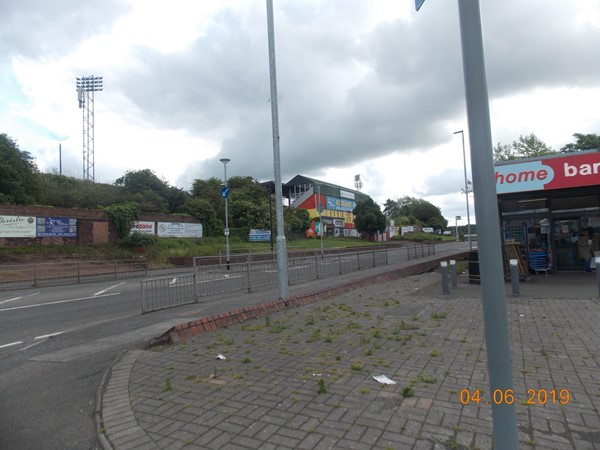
(462, 134)
(225, 194)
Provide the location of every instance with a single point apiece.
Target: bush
(138, 240)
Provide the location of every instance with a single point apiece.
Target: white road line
(59, 302)
(45, 336)
(22, 349)
(109, 288)
(17, 298)
(11, 344)
(173, 281)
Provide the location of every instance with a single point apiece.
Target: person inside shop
(585, 248)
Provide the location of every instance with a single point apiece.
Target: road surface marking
(48, 335)
(22, 349)
(109, 288)
(17, 298)
(59, 302)
(11, 344)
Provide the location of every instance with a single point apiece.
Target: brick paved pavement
(303, 378)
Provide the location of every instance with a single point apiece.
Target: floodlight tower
(357, 182)
(86, 86)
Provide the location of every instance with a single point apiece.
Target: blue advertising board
(259, 235)
(56, 227)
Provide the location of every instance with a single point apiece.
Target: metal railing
(166, 292)
(161, 293)
(45, 274)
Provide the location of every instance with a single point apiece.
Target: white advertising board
(143, 227)
(178, 229)
(17, 226)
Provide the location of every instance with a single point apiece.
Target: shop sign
(17, 226)
(550, 173)
(56, 227)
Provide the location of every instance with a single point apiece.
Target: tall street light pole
(225, 194)
(462, 134)
(282, 270)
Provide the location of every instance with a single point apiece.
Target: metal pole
(444, 271)
(462, 135)
(453, 273)
(514, 277)
(597, 260)
(227, 260)
(486, 213)
(282, 270)
(320, 208)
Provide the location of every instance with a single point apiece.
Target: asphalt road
(57, 342)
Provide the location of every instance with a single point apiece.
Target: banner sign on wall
(143, 227)
(549, 173)
(178, 229)
(338, 204)
(56, 227)
(17, 226)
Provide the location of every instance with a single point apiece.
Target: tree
(583, 142)
(297, 220)
(368, 217)
(19, 182)
(415, 211)
(203, 210)
(526, 147)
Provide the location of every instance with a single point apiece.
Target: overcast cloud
(366, 87)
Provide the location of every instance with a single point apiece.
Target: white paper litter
(219, 356)
(383, 379)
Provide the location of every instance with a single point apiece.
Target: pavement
(303, 377)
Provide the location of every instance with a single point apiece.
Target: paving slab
(303, 377)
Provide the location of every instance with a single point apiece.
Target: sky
(365, 87)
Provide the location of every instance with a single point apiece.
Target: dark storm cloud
(345, 96)
(40, 29)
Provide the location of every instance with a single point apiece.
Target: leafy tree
(526, 147)
(415, 211)
(203, 210)
(297, 220)
(583, 142)
(136, 181)
(18, 174)
(368, 217)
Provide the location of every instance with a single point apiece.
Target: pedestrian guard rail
(16, 276)
(206, 280)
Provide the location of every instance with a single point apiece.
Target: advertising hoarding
(259, 235)
(17, 226)
(179, 229)
(143, 227)
(56, 227)
(339, 204)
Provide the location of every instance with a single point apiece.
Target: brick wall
(93, 226)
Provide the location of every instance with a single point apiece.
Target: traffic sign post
(495, 317)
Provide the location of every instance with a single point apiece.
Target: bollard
(598, 273)
(514, 277)
(453, 273)
(444, 270)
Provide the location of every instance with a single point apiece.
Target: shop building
(333, 204)
(545, 205)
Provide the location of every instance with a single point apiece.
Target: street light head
(224, 160)
(459, 131)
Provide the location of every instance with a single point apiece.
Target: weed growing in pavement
(427, 379)
(277, 327)
(309, 320)
(407, 392)
(435, 352)
(315, 335)
(191, 378)
(246, 360)
(168, 386)
(357, 366)
(364, 390)
(321, 386)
